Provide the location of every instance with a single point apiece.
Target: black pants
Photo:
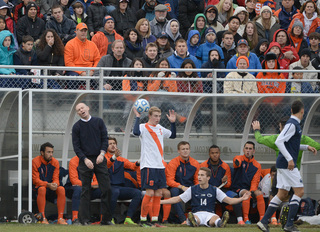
(102, 175)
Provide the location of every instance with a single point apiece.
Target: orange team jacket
(169, 86)
(216, 176)
(44, 172)
(182, 172)
(116, 168)
(246, 173)
(102, 41)
(74, 174)
(314, 25)
(265, 172)
(81, 54)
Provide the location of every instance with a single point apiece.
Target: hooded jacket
(6, 54)
(301, 17)
(270, 86)
(194, 27)
(267, 34)
(217, 26)
(289, 46)
(284, 63)
(192, 49)
(242, 26)
(188, 9)
(96, 13)
(66, 29)
(202, 52)
(256, 50)
(84, 16)
(172, 38)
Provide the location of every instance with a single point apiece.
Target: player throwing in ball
(203, 200)
(153, 177)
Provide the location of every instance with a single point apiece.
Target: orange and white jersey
(151, 138)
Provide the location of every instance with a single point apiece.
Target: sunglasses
(211, 11)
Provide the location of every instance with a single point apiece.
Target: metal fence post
(45, 81)
(214, 106)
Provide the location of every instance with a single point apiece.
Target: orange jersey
(44, 172)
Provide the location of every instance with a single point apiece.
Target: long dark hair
(126, 35)
(132, 73)
(57, 48)
(155, 73)
(4, 20)
(184, 63)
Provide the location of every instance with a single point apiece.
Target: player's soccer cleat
(284, 215)
(44, 221)
(274, 221)
(145, 224)
(241, 223)
(61, 221)
(192, 220)
(165, 222)
(248, 222)
(224, 219)
(128, 221)
(291, 229)
(76, 222)
(263, 227)
(113, 221)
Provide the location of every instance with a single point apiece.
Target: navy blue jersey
(203, 199)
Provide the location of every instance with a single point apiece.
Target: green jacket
(271, 139)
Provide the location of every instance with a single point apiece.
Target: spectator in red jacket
(46, 185)
(20, 10)
(181, 173)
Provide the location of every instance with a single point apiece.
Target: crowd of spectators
(85, 34)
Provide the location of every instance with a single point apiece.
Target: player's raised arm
(136, 129)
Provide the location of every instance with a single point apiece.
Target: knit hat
(305, 51)
(242, 57)
(242, 41)
(210, 30)
(270, 56)
(123, 0)
(297, 23)
(107, 18)
(266, 8)
(31, 4)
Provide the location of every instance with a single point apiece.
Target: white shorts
(287, 179)
(204, 217)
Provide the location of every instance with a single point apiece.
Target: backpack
(307, 207)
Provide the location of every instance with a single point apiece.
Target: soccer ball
(142, 105)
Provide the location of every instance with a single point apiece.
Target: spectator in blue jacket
(285, 13)
(243, 50)
(193, 42)
(181, 54)
(214, 62)
(298, 87)
(6, 52)
(202, 52)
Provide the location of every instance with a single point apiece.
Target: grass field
(15, 227)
